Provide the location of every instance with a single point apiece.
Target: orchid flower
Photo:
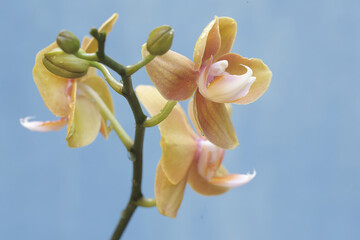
(216, 76)
(67, 98)
(187, 157)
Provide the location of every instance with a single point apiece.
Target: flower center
(217, 69)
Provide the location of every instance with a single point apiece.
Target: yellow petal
(168, 196)
(100, 87)
(214, 121)
(53, 89)
(260, 71)
(227, 28)
(204, 187)
(173, 75)
(92, 45)
(178, 140)
(43, 126)
(84, 120)
(208, 44)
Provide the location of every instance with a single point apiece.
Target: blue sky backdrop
(302, 136)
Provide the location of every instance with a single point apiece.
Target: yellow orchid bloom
(187, 158)
(66, 98)
(216, 76)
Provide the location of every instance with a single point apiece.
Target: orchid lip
(219, 86)
(209, 158)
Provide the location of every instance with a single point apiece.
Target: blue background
(302, 136)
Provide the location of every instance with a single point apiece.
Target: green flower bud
(68, 42)
(160, 40)
(65, 65)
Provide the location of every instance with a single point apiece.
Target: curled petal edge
(233, 180)
(43, 126)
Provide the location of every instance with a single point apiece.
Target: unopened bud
(160, 40)
(65, 65)
(68, 42)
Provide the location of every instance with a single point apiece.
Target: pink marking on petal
(209, 159)
(43, 126)
(233, 180)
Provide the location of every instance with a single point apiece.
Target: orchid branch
(158, 118)
(117, 86)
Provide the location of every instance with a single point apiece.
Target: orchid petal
(208, 43)
(260, 71)
(168, 196)
(214, 121)
(176, 135)
(104, 129)
(173, 75)
(202, 186)
(192, 117)
(43, 126)
(84, 120)
(227, 28)
(233, 180)
(92, 45)
(100, 87)
(53, 89)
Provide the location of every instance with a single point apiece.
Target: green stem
(136, 151)
(123, 136)
(131, 69)
(146, 202)
(158, 118)
(108, 77)
(87, 56)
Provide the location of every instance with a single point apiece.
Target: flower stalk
(136, 151)
(155, 120)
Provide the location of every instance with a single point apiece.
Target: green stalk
(158, 118)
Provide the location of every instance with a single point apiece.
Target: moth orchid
(216, 76)
(187, 157)
(66, 98)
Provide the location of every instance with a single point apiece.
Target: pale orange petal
(227, 28)
(192, 117)
(214, 121)
(43, 126)
(104, 129)
(53, 89)
(202, 186)
(92, 45)
(101, 88)
(84, 120)
(260, 71)
(233, 180)
(178, 140)
(168, 196)
(208, 44)
(173, 75)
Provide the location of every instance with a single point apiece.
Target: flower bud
(65, 65)
(160, 40)
(68, 42)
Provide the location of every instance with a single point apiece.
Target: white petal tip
(233, 180)
(42, 126)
